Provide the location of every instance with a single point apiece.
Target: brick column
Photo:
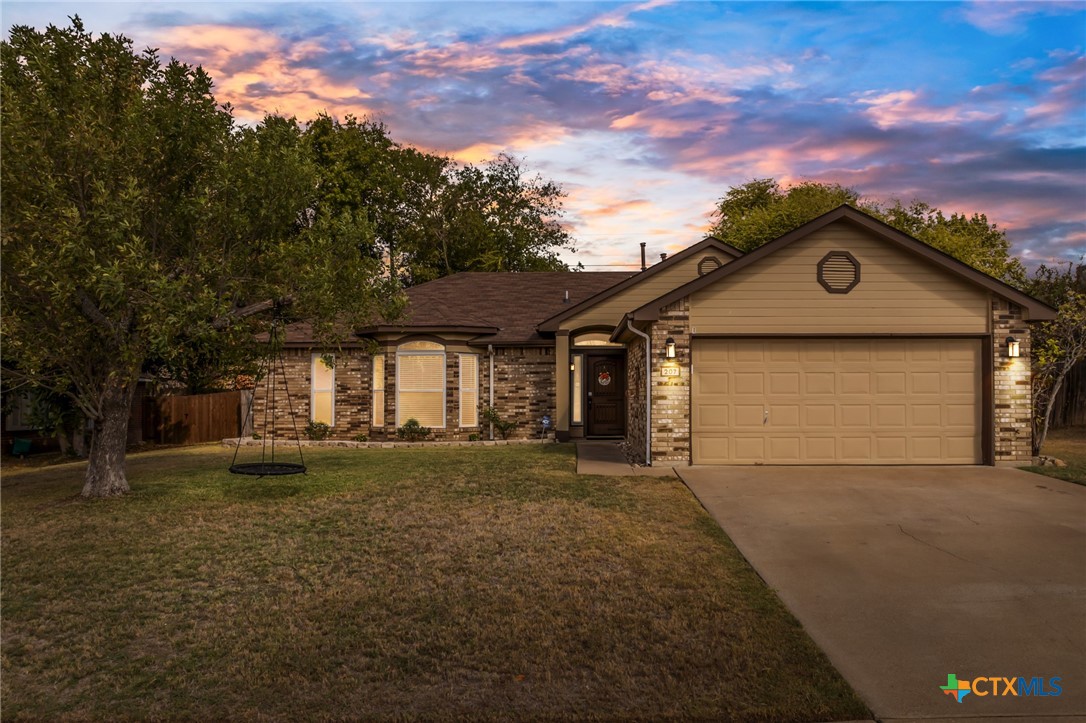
(1013, 393)
(671, 394)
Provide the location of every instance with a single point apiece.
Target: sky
(647, 112)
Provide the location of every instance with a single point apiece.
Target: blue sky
(647, 112)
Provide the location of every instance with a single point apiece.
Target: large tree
(761, 210)
(140, 223)
(433, 217)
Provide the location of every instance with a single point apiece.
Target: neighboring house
(843, 342)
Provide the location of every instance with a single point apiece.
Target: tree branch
(250, 310)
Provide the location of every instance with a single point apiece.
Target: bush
(490, 415)
(412, 431)
(360, 438)
(473, 437)
(317, 430)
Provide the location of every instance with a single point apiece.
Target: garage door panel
(836, 401)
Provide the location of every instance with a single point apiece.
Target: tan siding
(898, 293)
(610, 311)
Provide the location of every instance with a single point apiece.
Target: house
(842, 342)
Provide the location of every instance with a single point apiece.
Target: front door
(606, 396)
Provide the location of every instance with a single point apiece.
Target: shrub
(412, 431)
(317, 430)
(490, 415)
(360, 438)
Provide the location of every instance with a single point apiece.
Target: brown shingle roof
(500, 307)
(512, 303)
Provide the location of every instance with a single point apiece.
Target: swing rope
(266, 467)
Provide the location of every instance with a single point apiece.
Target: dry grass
(1068, 444)
(417, 583)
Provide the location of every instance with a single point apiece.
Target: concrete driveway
(904, 575)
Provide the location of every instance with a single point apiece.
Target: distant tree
(139, 223)
(1059, 345)
(430, 216)
(761, 210)
(971, 239)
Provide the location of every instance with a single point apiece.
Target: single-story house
(843, 342)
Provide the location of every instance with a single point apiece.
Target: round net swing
(269, 466)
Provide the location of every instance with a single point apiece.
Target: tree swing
(273, 366)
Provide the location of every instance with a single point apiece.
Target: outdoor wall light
(669, 348)
(1014, 350)
(572, 367)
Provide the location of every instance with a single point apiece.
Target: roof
(709, 242)
(501, 307)
(1035, 309)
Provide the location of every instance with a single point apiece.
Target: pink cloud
(906, 107)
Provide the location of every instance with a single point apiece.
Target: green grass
(488, 583)
(1069, 445)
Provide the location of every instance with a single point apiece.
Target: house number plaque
(670, 371)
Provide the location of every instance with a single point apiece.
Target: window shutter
(379, 391)
(469, 390)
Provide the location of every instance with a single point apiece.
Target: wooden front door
(606, 396)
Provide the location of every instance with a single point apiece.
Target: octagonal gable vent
(708, 264)
(838, 272)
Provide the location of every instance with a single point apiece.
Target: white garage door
(836, 401)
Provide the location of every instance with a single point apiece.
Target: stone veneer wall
(635, 398)
(671, 395)
(1013, 391)
(352, 400)
(524, 391)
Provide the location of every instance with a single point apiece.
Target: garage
(836, 401)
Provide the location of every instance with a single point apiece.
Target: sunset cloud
(647, 112)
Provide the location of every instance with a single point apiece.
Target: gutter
(648, 390)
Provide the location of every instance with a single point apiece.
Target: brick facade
(671, 394)
(524, 391)
(1013, 391)
(635, 399)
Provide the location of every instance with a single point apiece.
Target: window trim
(474, 388)
(314, 360)
(444, 382)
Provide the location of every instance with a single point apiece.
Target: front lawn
(486, 583)
(1068, 444)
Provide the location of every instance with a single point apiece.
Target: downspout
(648, 390)
(490, 353)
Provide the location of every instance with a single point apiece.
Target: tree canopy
(761, 210)
(141, 224)
(432, 217)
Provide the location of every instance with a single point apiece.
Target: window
(322, 403)
(594, 338)
(469, 390)
(575, 389)
(379, 390)
(420, 383)
(18, 419)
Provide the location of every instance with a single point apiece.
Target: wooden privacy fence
(1070, 407)
(196, 418)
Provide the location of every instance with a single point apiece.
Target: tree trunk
(1050, 404)
(106, 469)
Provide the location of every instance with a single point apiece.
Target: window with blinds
(322, 402)
(420, 383)
(469, 390)
(378, 390)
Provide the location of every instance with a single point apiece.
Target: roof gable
(707, 244)
(1035, 309)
